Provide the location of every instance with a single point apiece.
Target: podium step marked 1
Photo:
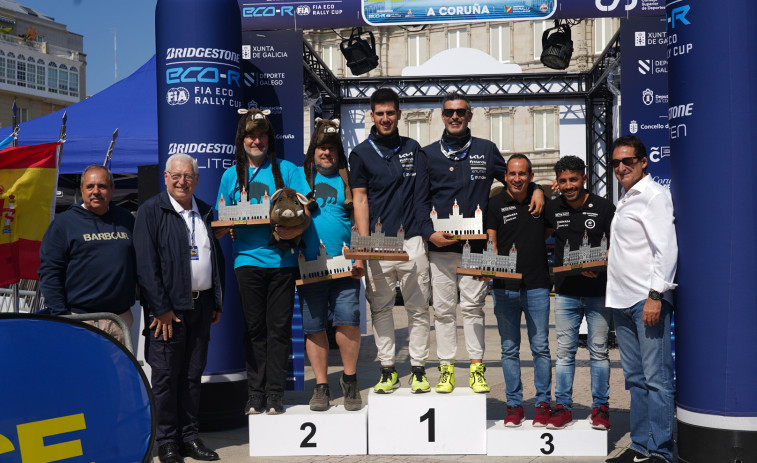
(300, 431)
(576, 439)
(427, 424)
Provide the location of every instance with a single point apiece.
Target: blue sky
(134, 21)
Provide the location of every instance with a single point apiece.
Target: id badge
(194, 254)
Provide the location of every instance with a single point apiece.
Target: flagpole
(14, 143)
(109, 154)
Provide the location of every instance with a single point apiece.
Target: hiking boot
(514, 417)
(352, 400)
(418, 381)
(542, 415)
(321, 396)
(447, 379)
(274, 404)
(389, 381)
(600, 418)
(477, 381)
(255, 404)
(560, 418)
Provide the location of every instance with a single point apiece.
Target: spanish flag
(28, 177)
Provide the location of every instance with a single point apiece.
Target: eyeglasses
(461, 112)
(629, 161)
(176, 177)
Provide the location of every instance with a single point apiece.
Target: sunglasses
(461, 112)
(629, 161)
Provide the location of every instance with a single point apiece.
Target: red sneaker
(600, 418)
(560, 418)
(514, 417)
(543, 413)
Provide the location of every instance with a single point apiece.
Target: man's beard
(326, 170)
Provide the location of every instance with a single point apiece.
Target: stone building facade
(42, 64)
(534, 130)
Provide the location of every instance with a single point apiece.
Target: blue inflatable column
(199, 82)
(712, 58)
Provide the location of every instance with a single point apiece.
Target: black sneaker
(321, 396)
(275, 404)
(255, 404)
(352, 400)
(629, 456)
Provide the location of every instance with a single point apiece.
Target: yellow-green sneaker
(447, 379)
(389, 381)
(477, 381)
(418, 381)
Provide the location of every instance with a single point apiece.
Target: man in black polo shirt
(579, 219)
(382, 176)
(509, 223)
(457, 169)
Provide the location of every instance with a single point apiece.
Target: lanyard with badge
(194, 253)
(384, 156)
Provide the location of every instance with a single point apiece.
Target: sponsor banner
(645, 91)
(301, 14)
(437, 11)
(712, 112)
(69, 392)
(272, 68)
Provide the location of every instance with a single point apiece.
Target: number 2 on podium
(306, 441)
(430, 416)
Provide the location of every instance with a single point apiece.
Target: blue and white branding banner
(70, 393)
(645, 91)
(272, 66)
(434, 11)
(309, 14)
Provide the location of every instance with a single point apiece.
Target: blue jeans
(569, 311)
(648, 367)
(534, 303)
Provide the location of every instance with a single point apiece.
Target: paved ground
(232, 445)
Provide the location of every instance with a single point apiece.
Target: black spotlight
(360, 55)
(557, 48)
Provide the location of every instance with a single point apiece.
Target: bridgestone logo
(201, 148)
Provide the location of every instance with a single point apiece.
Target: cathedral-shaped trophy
(584, 259)
(377, 246)
(489, 263)
(324, 267)
(461, 228)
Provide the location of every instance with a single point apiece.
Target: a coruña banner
(309, 14)
(27, 185)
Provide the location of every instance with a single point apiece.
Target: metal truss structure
(592, 86)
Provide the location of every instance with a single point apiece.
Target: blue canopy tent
(129, 105)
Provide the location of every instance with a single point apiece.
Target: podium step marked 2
(403, 423)
(300, 431)
(576, 439)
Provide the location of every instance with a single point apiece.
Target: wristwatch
(655, 295)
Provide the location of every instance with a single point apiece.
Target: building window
(21, 71)
(457, 38)
(539, 28)
(499, 42)
(501, 132)
(31, 73)
(22, 114)
(418, 131)
(63, 79)
(417, 49)
(603, 32)
(10, 68)
(332, 57)
(73, 82)
(2, 66)
(544, 129)
(40, 74)
(52, 78)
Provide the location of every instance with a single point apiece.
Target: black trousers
(177, 366)
(267, 303)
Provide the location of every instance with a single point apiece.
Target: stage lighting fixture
(360, 55)
(557, 47)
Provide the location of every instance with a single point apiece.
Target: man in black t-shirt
(509, 223)
(581, 221)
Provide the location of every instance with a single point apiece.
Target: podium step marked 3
(300, 431)
(403, 423)
(576, 439)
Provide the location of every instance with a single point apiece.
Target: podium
(576, 439)
(428, 423)
(300, 431)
